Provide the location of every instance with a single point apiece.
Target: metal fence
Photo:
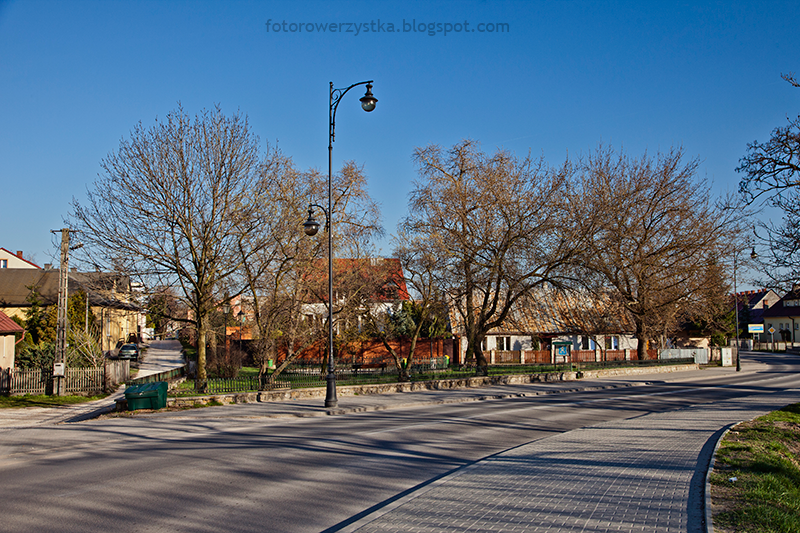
(161, 376)
(699, 355)
(314, 375)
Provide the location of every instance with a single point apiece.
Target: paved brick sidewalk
(600, 479)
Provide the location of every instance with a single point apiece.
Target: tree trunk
(402, 371)
(481, 364)
(641, 338)
(201, 349)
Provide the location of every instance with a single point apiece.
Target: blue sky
(76, 76)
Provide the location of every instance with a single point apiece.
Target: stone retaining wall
(385, 388)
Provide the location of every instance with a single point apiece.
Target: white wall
(14, 261)
(7, 351)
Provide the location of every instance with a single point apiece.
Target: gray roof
(16, 284)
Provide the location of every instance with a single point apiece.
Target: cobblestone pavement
(645, 474)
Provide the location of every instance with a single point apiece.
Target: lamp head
(368, 101)
(311, 226)
(754, 254)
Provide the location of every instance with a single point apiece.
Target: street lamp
(226, 309)
(240, 316)
(736, 311)
(753, 255)
(311, 226)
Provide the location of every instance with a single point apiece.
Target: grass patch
(763, 456)
(16, 402)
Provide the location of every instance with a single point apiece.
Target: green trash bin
(147, 396)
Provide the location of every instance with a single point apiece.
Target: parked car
(129, 351)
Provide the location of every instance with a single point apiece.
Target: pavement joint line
(382, 508)
(410, 494)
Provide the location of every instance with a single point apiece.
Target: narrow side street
(160, 356)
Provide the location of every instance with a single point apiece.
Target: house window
(3, 263)
(612, 342)
(585, 342)
(503, 343)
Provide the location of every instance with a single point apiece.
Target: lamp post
(226, 309)
(311, 226)
(753, 255)
(240, 316)
(736, 311)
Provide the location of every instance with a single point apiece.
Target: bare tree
(499, 227)
(85, 347)
(163, 308)
(791, 79)
(423, 316)
(658, 234)
(772, 176)
(284, 275)
(179, 205)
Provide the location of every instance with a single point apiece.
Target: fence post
(106, 377)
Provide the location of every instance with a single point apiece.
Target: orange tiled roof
(8, 326)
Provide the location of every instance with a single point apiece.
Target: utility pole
(60, 364)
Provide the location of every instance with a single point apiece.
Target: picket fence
(88, 381)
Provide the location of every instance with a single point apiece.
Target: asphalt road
(235, 468)
(161, 356)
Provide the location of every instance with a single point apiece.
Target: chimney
(48, 266)
(19, 254)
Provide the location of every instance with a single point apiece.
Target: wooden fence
(16, 381)
(19, 381)
(538, 357)
(507, 357)
(615, 355)
(583, 356)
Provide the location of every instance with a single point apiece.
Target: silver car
(129, 351)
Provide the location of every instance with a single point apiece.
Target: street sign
(755, 328)
(771, 330)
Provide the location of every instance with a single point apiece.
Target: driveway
(159, 357)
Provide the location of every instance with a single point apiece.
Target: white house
(9, 260)
(553, 327)
(8, 329)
